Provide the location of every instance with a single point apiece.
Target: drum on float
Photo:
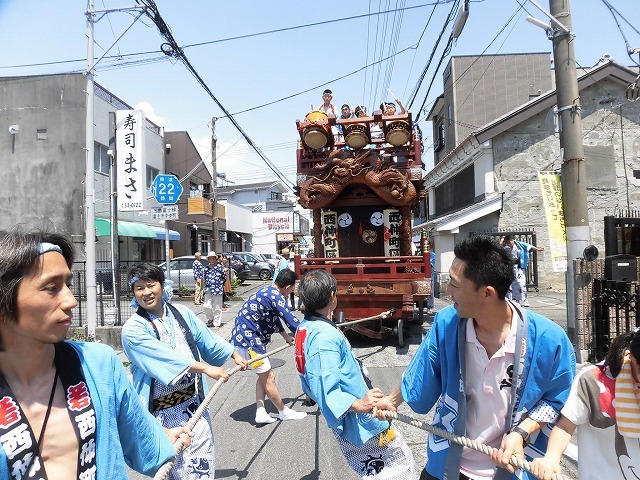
(316, 132)
(356, 135)
(398, 132)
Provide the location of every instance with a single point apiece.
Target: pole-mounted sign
(166, 189)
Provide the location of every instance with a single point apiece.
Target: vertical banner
(330, 233)
(552, 199)
(131, 164)
(392, 220)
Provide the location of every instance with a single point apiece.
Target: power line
(171, 48)
(228, 39)
(450, 17)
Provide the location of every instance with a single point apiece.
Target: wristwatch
(526, 437)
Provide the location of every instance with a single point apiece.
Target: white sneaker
(526, 303)
(263, 417)
(288, 414)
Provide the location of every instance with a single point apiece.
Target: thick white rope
(460, 440)
(178, 446)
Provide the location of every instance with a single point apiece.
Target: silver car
(259, 266)
(273, 258)
(182, 272)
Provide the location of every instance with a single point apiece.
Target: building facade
(44, 165)
(489, 181)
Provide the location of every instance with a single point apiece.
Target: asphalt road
(305, 449)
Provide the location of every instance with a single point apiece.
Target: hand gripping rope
(178, 446)
(460, 440)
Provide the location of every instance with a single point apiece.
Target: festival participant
(170, 350)
(334, 378)
(604, 404)
(214, 280)
(198, 275)
(389, 108)
(330, 109)
(327, 107)
(67, 409)
(498, 373)
(520, 252)
(259, 318)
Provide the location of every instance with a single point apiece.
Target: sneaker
(526, 303)
(262, 417)
(210, 323)
(288, 414)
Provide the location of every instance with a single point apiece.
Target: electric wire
(450, 17)
(172, 48)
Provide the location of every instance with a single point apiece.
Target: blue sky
(248, 72)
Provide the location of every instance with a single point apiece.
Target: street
(306, 449)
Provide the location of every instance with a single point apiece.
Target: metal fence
(526, 236)
(616, 309)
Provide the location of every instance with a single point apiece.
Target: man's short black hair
(487, 263)
(147, 271)
(345, 105)
(327, 91)
(315, 289)
(285, 278)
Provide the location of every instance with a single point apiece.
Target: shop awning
(125, 229)
(173, 235)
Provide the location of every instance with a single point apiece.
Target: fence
(615, 311)
(604, 308)
(526, 236)
(107, 301)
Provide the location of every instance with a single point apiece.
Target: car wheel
(265, 275)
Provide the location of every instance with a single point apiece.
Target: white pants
(518, 289)
(213, 308)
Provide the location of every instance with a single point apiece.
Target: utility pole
(115, 242)
(214, 185)
(89, 187)
(574, 180)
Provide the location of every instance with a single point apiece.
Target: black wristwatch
(526, 437)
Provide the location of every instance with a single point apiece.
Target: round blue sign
(166, 189)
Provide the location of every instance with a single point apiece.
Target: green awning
(125, 229)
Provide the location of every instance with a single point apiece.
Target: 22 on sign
(165, 189)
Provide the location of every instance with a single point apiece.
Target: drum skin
(355, 135)
(398, 132)
(316, 136)
(316, 133)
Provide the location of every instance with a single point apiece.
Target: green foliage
(184, 291)
(79, 336)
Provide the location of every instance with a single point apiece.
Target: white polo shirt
(488, 391)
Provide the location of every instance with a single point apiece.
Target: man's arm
(390, 402)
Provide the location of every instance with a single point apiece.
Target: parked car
(273, 258)
(182, 272)
(238, 264)
(259, 266)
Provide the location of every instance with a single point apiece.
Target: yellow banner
(552, 199)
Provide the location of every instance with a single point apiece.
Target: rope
(360, 320)
(461, 440)
(178, 446)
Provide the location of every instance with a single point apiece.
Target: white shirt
(487, 385)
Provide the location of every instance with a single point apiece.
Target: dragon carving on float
(346, 167)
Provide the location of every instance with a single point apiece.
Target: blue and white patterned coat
(260, 317)
(198, 269)
(214, 278)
